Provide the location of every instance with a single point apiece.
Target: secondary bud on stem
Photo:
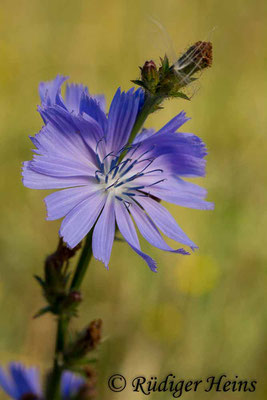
(85, 342)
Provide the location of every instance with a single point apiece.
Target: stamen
(154, 170)
(96, 175)
(123, 163)
(108, 155)
(129, 194)
(100, 140)
(136, 188)
(149, 163)
(155, 183)
(147, 151)
(115, 172)
(113, 184)
(134, 147)
(118, 198)
(128, 169)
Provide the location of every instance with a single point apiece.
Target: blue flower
(24, 383)
(107, 182)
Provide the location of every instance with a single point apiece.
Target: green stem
(53, 391)
(83, 263)
(148, 107)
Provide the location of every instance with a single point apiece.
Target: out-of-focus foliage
(200, 315)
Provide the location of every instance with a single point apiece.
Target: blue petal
(27, 380)
(165, 221)
(101, 100)
(73, 125)
(92, 108)
(60, 203)
(50, 91)
(61, 167)
(149, 231)
(104, 232)
(122, 115)
(7, 384)
(140, 94)
(175, 123)
(35, 180)
(81, 218)
(127, 229)
(143, 135)
(73, 97)
(70, 384)
(176, 153)
(177, 191)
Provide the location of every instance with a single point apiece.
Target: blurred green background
(200, 315)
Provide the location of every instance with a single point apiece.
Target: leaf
(139, 83)
(40, 281)
(181, 95)
(43, 311)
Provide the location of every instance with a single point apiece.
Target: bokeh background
(200, 315)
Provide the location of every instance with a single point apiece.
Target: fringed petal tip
(207, 205)
(182, 252)
(194, 248)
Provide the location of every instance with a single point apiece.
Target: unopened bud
(71, 301)
(85, 342)
(75, 296)
(149, 71)
(93, 333)
(196, 58)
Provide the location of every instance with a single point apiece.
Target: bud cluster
(55, 282)
(168, 80)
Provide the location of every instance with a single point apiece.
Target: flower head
(21, 383)
(108, 182)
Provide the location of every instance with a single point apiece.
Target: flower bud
(149, 77)
(196, 58)
(85, 342)
(149, 72)
(70, 303)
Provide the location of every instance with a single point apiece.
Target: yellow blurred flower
(197, 275)
(164, 322)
